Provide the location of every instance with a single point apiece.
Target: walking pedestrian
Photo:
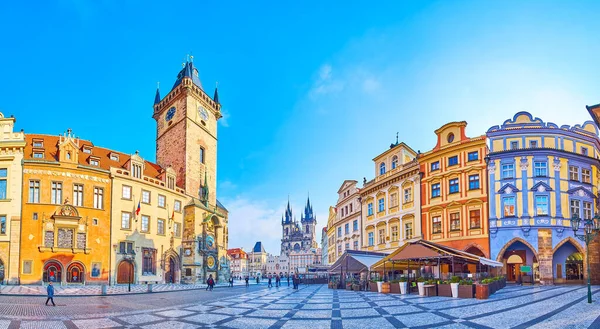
(210, 283)
(50, 291)
(288, 278)
(247, 284)
(270, 284)
(231, 282)
(277, 281)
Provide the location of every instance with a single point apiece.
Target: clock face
(203, 113)
(210, 262)
(170, 114)
(188, 252)
(210, 242)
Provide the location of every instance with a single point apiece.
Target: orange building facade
(65, 235)
(454, 191)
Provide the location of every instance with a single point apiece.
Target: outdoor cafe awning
(415, 254)
(355, 261)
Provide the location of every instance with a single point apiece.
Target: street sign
(525, 268)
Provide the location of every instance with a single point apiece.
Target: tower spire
(157, 96)
(216, 96)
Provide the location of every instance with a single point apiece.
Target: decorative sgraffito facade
(391, 202)
(187, 142)
(540, 175)
(12, 145)
(346, 224)
(65, 235)
(454, 191)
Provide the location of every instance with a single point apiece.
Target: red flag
(173, 214)
(137, 211)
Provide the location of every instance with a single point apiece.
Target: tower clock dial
(170, 114)
(203, 113)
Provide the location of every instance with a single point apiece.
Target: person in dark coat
(50, 291)
(231, 281)
(288, 279)
(210, 283)
(247, 284)
(270, 284)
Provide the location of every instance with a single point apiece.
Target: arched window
(382, 168)
(394, 162)
(202, 158)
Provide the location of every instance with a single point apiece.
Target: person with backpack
(210, 283)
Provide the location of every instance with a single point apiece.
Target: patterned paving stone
(358, 312)
(230, 311)
(96, 323)
(39, 324)
(207, 318)
(269, 313)
(375, 323)
(412, 320)
(303, 324)
(174, 313)
(140, 318)
(170, 325)
(250, 323)
(313, 314)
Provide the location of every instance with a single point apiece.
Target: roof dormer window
(38, 155)
(114, 157)
(38, 143)
(94, 161)
(87, 149)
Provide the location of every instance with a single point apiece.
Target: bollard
(104, 290)
(150, 287)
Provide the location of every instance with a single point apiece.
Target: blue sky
(311, 91)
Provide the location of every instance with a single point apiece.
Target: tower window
(202, 155)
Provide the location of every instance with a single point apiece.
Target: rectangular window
(435, 166)
(436, 224)
(408, 230)
(177, 206)
(371, 239)
(160, 227)
(540, 169)
(533, 144)
(347, 246)
(584, 150)
(27, 266)
(161, 201)
(393, 200)
(126, 247)
(3, 185)
(587, 210)
(394, 233)
(98, 198)
(453, 186)
(94, 162)
(509, 206)
(81, 240)
(575, 206)
(56, 193)
(351, 208)
(49, 239)
(146, 197)
(514, 145)
(508, 170)
(38, 155)
(78, 195)
(148, 261)
(574, 173)
(34, 191)
(38, 143)
(541, 205)
(381, 205)
(347, 228)
(126, 192)
(473, 182)
(407, 195)
(452, 161)
(171, 182)
(339, 249)
(435, 190)
(475, 218)
(355, 245)
(473, 156)
(586, 176)
(355, 225)
(3, 224)
(145, 224)
(339, 232)
(177, 230)
(136, 170)
(381, 236)
(455, 221)
(125, 220)
(370, 209)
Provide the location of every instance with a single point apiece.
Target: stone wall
(594, 255)
(545, 255)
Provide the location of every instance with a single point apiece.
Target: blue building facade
(540, 175)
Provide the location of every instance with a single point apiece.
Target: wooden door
(125, 272)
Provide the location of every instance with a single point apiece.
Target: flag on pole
(173, 214)
(137, 211)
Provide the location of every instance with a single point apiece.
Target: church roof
(258, 247)
(220, 205)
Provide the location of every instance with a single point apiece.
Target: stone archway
(476, 246)
(52, 271)
(526, 256)
(75, 273)
(565, 267)
(509, 243)
(172, 266)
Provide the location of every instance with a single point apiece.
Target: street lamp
(591, 228)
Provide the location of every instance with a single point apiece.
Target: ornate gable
(508, 189)
(541, 187)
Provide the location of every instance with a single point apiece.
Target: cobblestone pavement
(93, 290)
(315, 306)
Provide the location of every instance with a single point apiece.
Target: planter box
(356, 287)
(466, 291)
(394, 288)
(373, 286)
(348, 286)
(385, 288)
(444, 290)
(482, 291)
(403, 288)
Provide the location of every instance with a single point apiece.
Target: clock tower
(186, 140)
(186, 133)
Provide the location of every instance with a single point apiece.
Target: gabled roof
(351, 181)
(258, 247)
(581, 190)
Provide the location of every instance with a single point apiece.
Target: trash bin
(150, 287)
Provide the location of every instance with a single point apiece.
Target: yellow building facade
(391, 201)
(12, 145)
(65, 224)
(344, 229)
